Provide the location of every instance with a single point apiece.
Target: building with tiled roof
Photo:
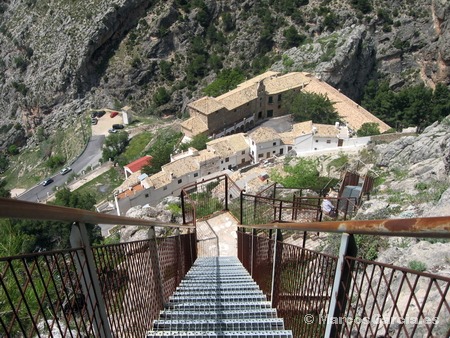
(137, 165)
(233, 151)
(259, 98)
(265, 143)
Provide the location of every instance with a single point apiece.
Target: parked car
(94, 114)
(113, 114)
(47, 181)
(112, 131)
(94, 121)
(65, 170)
(100, 113)
(118, 126)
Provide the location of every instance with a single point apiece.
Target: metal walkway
(218, 298)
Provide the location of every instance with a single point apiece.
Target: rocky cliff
(59, 58)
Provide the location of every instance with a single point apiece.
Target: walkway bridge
(160, 288)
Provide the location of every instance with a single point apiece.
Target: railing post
(183, 208)
(341, 286)
(96, 307)
(155, 264)
(252, 257)
(242, 211)
(226, 192)
(276, 274)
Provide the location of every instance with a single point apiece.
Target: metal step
(175, 298)
(215, 306)
(223, 314)
(254, 324)
(218, 286)
(218, 292)
(223, 334)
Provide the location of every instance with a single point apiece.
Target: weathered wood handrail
(11, 208)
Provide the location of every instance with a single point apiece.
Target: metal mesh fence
(52, 293)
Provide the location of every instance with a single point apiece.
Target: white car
(65, 170)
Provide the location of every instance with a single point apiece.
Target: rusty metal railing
(321, 295)
(257, 209)
(112, 290)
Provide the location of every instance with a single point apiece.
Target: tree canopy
(414, 106)
(115, 144)
(310, 106)
(303, 174)
(226, 80)
(161, 150)
(368, 129)
(49, 235)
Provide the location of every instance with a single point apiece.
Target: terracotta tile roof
(139, 163)
(195, 125)
(279, 84)
(298, 129)
(239, 96)
(325, 130)
(349, 111)
(158, 180)
(302, 128)
(206, 105)
(206, 155)
(228, 145)
(182, 166)
(263, 134)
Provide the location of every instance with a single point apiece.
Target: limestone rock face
(58, 59)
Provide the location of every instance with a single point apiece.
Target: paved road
(90, 157)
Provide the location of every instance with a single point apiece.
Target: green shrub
(417, 265)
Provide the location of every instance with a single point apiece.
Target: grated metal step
(218, 298)
(254, 324)
(229, 334)
(222, 314)
(215, 306)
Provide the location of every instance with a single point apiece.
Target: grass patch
(417, 265)
(137, 145)
(102, 186)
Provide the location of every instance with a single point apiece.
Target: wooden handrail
(11, 208)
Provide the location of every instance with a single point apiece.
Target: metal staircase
(218, 298)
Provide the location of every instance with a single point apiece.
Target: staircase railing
(321, 295)
(114, 290)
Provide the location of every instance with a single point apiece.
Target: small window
(317, 141)
(273, 152)
(253, 153)
(289, 148)
(270, 113)
(243, 152)
(243, 160)
(227, 159)
(195, 174)
(328, 141)
(274, 144)
(260, 114)
(146, 195)
(279, 97)
(221, 162)
(270, 99)
(253, 143)
(180, 181)
(165, 188)
(260, 155)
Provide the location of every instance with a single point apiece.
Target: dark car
(118, 126)
(100, 113)
(47, 181)
(65, 170)
(94, 121)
